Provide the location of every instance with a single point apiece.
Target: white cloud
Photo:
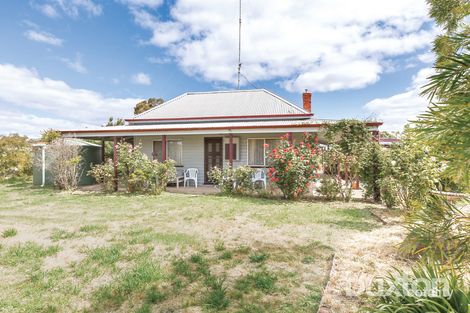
(142, 3)
(301, 44)
(398, 109)
(75, 64)
(25, 89)
(40, 36)
(48, 10)
(428, 57)
(31, 125)
(141, 79)
(72, 8)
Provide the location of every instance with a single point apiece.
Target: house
(206, 129)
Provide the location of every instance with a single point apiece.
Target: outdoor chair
(191, 174)
(259, 175)
(179, 177)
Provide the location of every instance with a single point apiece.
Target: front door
(212, 155)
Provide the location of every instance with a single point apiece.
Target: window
(157, 151)
(174, 151)
(257, 150)
(236, 150)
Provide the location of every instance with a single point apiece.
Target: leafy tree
(50, 135)
(147, 105)
(112, 122)
(372, 169)
(348, 141)
(15, 156)
(108, 146)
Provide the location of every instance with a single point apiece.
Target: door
(212, 155)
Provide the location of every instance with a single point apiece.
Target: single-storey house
(206, 129)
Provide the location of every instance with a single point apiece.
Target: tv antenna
(239, 41)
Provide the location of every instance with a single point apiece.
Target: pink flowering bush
(293, 166)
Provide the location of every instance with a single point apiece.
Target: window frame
(236, 142)
(167, 149)
(264, 150)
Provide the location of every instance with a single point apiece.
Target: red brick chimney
(307, 100)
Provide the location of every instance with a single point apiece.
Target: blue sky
(67, 64)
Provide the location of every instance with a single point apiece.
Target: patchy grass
(95, 229)
(9, 232)
(27, 253)
(61, 234)
(89, 252)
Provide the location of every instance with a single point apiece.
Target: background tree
(112, 122)
(147, 105)
(50, 135)
(15, 156)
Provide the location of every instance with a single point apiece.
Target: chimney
(307, 100)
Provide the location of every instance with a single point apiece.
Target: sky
(74, 63)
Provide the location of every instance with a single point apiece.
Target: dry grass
(90, 252)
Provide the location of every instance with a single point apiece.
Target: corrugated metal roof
(222, 103)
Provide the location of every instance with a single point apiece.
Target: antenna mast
(239, 42)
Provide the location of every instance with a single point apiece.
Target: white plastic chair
(259, 175)
(190, 174)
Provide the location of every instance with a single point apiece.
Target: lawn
(88, 252)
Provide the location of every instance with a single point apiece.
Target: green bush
(230, 180)
(139, 174)
(414, 171)
(371, 170)
(329, 187)
(243, 179)
(389, 191)
(223, 178)
(104, 175)
(15, 156)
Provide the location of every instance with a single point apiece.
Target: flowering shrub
(139, 174)
(293, 166)
(231, 180)
(243, 179)
(223, 178)
(104, 175)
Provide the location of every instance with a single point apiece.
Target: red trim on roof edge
(216, 117)
(200, 128)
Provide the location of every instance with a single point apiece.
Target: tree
(347, 140)
(147, 105)
(112, 122)
(50, 135)
(446, 125)
(371, 170)
(15, 156)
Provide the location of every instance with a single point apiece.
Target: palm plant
(446, 124)
(440, 231)
(429, 288)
